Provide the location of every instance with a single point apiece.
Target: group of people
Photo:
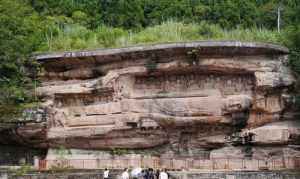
(144, 174)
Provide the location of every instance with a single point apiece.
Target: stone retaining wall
(236, 175)
(174, 175)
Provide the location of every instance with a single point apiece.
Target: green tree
(123, 13)
(20, 34)
(90, 10)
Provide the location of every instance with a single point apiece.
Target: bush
(108, 36)
(23, 170)
(292, 40)
(209, 31)
(118, 152)
(60, 166)
(80, 17)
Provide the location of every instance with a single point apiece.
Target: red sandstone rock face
(161, 96)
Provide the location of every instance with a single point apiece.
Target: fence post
(68, 163)
(172, 163)
(296, 162)
(186, 163)
(227, 164)
(42, 164)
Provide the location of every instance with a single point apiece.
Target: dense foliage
(20, 35)
(29, 26)
(142, 13)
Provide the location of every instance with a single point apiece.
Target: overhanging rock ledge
(210, 99)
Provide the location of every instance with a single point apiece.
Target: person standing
(151, 173)
(142, 174)
(106, 173)
(125, 174)
(183, 173)
(146, 175)
(163, 174)
(157, 174)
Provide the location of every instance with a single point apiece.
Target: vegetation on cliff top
(29, 26)
(76, 37)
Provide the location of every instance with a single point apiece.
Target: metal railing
(175, 164)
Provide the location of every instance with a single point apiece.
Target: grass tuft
(77, 37)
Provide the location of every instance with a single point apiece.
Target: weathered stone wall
(226, 84)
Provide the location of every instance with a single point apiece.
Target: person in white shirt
(106, 174)
(125, 174)
(163, 174)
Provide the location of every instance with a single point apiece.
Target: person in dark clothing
(146, 175)
(157, 174)
(151, 173)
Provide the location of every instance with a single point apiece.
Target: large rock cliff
(198, 99)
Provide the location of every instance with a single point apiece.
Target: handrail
(176, 164)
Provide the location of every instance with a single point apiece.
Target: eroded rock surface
(181, 99)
